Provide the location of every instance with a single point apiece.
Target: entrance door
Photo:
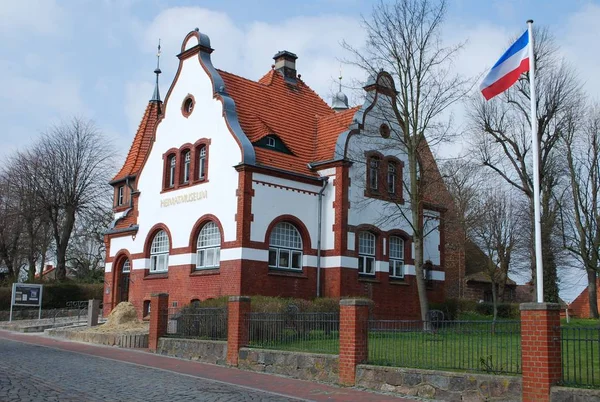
(124, 281)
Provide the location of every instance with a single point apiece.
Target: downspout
(319, 224)
(130, 191)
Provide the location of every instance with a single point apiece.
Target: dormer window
(274, 143)
(120, 195)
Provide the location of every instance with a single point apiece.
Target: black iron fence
(580, 356)
(295, 331)
(201, 323)
(481, 346)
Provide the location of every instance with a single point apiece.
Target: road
(35, 368)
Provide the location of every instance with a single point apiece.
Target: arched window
(126, 268)
(285, 247)
(159, 252)
(396, 257)
(366, 253)
(171, 166)
(208, 247)
(391, 178)
(374, 174)
(202, 163)
(186, 166)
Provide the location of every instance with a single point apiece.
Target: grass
(461, 346)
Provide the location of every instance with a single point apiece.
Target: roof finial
(156, 95)
(340, 78)
(340, 100)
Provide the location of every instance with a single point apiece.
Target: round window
(188, 106)
(384, 130)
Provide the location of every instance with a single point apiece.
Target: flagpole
(535, 145)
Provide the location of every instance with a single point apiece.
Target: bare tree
(581, 215)
(22, 172)
(404, 39)
(502, 133)
(11, 228)
(75, 163)
(495, 230)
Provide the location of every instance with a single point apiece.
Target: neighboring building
(478, 284)
(580, 307)
(241, 187)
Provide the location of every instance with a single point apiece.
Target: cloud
(37, 16)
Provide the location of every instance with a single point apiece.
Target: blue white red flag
(506, 71)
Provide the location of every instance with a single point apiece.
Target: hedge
(56, 295)
(266, 304)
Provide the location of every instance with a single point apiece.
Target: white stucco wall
(217, 196)
(280, 198)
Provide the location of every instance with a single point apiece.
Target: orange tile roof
(142, 142)
(295, 113)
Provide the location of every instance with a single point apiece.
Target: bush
(505, 310)
(450, 308)
(56, 295)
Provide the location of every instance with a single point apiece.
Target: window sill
(287, 272)
(205, 271)
(157, 275)
(398, 281)
(368, 278)
(181, 186)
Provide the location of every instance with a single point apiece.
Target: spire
(340, 100)
(156, 95)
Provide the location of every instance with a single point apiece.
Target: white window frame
(202, 163)
(285, 240)
(120, 195)
(374, 166)
(397, 258)
(172, 164)
(186, 166)
(367, 244)
(208, 233)
(271, 142)
(391, 177)
(159, 252)
(126, 267)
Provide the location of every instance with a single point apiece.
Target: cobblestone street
(39, 368)
(36, 373)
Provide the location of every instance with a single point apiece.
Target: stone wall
(304, 366)
(439, 385)
(109, 339)
(564, 394)
(203, 351)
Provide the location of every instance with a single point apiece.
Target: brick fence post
(540, 349)
(354, 320)
(237, 330)
(159, 315)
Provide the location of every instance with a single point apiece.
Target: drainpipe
(319, 224)
(130, 191)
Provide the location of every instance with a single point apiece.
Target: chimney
(285, 63)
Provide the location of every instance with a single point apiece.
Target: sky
(95, 58)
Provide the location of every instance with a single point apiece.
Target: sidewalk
(285, 386)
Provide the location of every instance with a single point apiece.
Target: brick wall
(540, 349)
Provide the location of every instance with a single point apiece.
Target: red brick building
(241, 187)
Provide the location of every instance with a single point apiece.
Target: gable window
(271, 142)
(396, 257)
(186, 166)
(366, 253)
(391, 178)
(120, 195)
(159, 252)
(285, 247)
(208, 247)
(374, 174)
(171, 166)
(202, 163)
